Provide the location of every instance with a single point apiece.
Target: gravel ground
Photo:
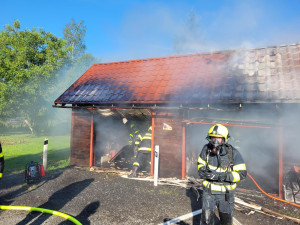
(103, 198)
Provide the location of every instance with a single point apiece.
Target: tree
(29, 61)
(74, 34)
(189, 39)
(71, 72)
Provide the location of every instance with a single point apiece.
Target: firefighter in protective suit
(1, 162)
(143, 152)
(220, 166)
(134, 135)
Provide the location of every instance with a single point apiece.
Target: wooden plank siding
(80, 137)
(170, 144)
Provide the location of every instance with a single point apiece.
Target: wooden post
(92, 141)
(280, 165)
(183, 169)
(152, 144)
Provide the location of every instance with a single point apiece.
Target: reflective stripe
(239, 167)
(146, 137)
(131, 135)
(0, 175)
(1, 154)
(200, 165)
(236, 176)
(144, 149)
(201, 161)
(218, 187)
(137, 142)
(235, 168)
(136, 164)
(216, 168)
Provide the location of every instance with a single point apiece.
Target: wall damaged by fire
(254, 92)
(258, 131)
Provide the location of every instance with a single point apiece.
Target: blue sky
(124, 30)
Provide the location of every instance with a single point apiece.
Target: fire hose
(56, 213)
(270, 196)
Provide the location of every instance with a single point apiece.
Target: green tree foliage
(29, 61)
(66, 77)
(72, 71)
(74, 34)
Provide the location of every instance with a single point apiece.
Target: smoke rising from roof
(149, 29)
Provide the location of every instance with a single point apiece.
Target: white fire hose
(189, 215)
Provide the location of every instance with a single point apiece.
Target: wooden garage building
(182, 96)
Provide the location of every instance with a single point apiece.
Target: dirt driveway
(103, 198)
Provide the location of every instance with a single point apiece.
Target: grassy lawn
(20, 149)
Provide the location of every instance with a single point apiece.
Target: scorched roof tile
(270, 74)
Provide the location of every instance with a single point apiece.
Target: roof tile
(270, 74)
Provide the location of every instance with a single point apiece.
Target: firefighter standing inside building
(143, 152)
(1, 162)
(220, 166)
(134, 135)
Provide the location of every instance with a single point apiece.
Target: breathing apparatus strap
(227, 193)
(230, 156)
(230, 159)
(207, 157)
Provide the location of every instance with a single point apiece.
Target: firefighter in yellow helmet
(1, 162)
(143, 152)
(220, 166)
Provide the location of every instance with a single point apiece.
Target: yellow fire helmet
(150, 128)
(219, 130)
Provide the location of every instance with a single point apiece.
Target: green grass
(19, 149)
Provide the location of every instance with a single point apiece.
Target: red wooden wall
(167, 134)
(80, 137)
(170, 143)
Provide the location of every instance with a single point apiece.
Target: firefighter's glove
(211, 175)
(215, 176)
(222, 176)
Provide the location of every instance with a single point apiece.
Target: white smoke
(148, 30)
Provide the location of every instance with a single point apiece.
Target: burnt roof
(262, 75)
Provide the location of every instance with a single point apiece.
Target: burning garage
(256, 93)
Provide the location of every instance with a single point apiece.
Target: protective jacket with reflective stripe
(145, 144)
(1, 161)
(221, 163)
(135, 135)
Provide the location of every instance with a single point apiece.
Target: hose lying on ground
(56, 213)
(270, 196)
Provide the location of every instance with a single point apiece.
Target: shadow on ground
(57, 201)
(18, 179)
